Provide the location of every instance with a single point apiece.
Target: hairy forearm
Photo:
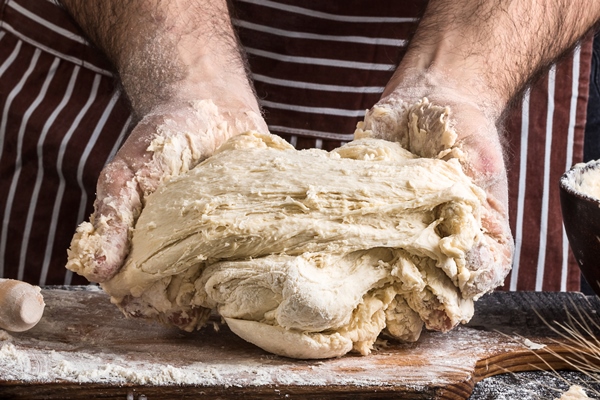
(165, 51)
(492, 48)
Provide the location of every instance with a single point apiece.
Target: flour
(152, 375)
(585, 179)
(575, 392)
(84, 339)
(533, 345)
(88, 368)
(18, 360)
(107, 368)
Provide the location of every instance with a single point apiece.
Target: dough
(312, 254)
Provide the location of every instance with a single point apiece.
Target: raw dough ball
(311, 254)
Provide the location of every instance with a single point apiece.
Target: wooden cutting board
(84, 348)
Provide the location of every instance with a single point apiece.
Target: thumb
(99, 247)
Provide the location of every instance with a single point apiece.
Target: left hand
(479, 142)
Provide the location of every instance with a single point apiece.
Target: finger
(99, 247)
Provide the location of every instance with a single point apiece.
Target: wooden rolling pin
(21, 305)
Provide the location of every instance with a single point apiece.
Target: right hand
(170, 56)
(164, 144)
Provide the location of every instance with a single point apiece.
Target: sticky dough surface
(311, 254)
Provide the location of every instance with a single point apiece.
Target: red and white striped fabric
(62, 118)
(316, 66)
(545, 135)
(317, 69)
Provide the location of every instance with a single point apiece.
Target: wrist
(178, 75)
(170, 52)
(456, 51)
(439, 81)
(229, 92)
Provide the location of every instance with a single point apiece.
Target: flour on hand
(312, 254)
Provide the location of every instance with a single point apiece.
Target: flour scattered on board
(89, 368)
(575, 392)
(29, 365)
(78, 344)
(153, 375)
(19, 360)
(533, 345)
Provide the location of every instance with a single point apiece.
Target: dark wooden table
(84, 348)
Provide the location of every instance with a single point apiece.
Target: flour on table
(312, 254)
(575, 392)
(533, 345)
(39, 365)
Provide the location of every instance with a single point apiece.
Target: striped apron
(317, 66)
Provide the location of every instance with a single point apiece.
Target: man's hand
(475, 57)
(438, 121)
(181, 68)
